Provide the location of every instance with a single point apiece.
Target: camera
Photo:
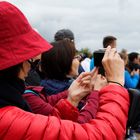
(98, 56)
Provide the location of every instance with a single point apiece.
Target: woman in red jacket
(19, 43)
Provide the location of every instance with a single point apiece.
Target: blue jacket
(131, 81)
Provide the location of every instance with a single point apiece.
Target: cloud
(89, 20)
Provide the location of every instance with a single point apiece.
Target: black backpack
(133, 122)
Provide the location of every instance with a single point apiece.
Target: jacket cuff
(67, 110)
(113, 88)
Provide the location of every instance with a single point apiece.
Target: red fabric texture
(53, 105)
(18, 41)
(90, 109)
(110, 123)
(66, 110)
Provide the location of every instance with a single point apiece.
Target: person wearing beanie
(67, 34)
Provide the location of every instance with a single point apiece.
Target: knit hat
(64, 33)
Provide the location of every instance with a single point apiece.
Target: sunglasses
(34, 64)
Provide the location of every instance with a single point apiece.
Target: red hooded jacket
(110, 122)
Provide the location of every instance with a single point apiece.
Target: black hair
(132, 56)
(108, 40)
(11, 73)
(56, 63)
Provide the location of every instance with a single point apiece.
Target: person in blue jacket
(131, 79)
(131, 71)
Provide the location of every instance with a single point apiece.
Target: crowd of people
(131, 62)
(49, 92)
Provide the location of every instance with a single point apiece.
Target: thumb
(94, 72)
(82, 75)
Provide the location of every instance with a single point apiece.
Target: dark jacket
(53, 86)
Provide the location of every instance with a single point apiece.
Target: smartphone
(98, 56)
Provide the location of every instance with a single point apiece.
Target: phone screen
(98, 56)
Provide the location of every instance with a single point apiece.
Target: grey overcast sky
(90, 20)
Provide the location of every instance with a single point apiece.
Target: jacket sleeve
(131, 81)
(67, 110)
(53, 99)
(110, 123)
(89, 111)
(63, 109)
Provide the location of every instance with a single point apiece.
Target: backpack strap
(36, 90)
(27, 91)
